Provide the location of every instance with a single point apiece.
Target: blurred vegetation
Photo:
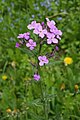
(18, 91)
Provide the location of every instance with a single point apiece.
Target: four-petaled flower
(27, 36)
(51, 38)
(50, 24)
(36, 77)
(31, 44)
(56, 31)
(24, 36)
(43, 60)
(20, 36)
(40, 31)
(32, 25)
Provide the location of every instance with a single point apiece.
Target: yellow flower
(68, 60)
(4, 77)
(76, 87)
(8, 110)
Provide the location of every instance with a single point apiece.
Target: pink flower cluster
(37, 29)
(50, 31)
(51, 34)
(25, 36)
(29, 42)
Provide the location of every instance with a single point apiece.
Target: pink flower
(24, 36)
(32, 25)
(17, 45)
(43, 60)
(42, 24)
(56, 31)
(51, 38)
(56, 48)
(53, 28)
(49, 35)
(39, 31)
(36, 77)
(31, 44)
(50, 24)
(20, 36)
(58, 37)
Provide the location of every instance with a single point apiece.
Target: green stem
(38, 67)
(44, 101)
(43, 98)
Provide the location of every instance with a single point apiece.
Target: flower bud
(76, 87)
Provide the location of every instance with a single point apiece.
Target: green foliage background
(20, 91)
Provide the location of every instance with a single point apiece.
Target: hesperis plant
(48, 36)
